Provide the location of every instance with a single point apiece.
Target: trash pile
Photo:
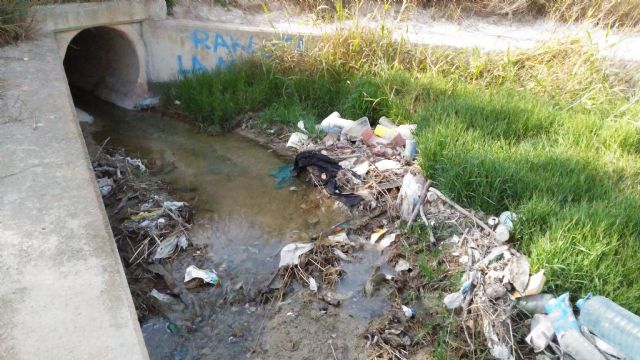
(152, 226)
(371, 172)
(358, 165)
(498, 284)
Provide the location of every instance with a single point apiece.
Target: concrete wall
(179, 47)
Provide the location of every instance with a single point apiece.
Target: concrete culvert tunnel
(106, 62)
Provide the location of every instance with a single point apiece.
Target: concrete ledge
(64, 294)
(64, 17)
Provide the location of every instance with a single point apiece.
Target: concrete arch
(108, 61)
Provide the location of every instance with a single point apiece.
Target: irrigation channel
(241, 222)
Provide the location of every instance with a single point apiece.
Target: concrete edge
(72, 16)
(123, 284)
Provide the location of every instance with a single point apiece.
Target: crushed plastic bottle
(572, 342)
(208, 276)
(611, 322)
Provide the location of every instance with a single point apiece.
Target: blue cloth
(283, 176)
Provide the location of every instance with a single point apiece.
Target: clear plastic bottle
(534, 304)
(614, 324)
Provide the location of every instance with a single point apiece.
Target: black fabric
(330, 168)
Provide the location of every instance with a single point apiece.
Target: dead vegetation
(15, 23)
(606, 13)
(147, 223)
(144, 214)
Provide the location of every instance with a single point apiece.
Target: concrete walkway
(64, 294)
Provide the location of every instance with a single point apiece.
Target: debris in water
(147, 103)
(313, 285)
(105, 185)
(83, 116)
(208, 276)
(153, 224)
(290, 254)
(167, 246)
(376, 235)
(329, 299)
(137, 163)
(160, 296)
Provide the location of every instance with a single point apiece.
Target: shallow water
(241, 223)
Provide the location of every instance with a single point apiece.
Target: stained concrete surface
(64, 294)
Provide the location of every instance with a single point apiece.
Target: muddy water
(241, 223)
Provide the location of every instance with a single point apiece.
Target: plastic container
(611, 322)
(390, 135)
(360, 129)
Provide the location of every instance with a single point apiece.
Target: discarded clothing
(330, 168)
(282, 175)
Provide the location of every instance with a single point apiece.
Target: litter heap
(371, 172)
(153, 225)
(147, 223)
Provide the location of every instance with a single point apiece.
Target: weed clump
(15, 23)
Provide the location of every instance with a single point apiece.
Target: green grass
(559, 145)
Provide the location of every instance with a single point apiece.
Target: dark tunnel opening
(104, 61)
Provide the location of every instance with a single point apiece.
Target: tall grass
(14, 20)
(546, 134)
(606, 13)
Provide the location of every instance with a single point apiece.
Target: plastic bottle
(334, 120)
(612, 323)
(507, 218)
(534, 304)
(410, 149)
(575, 344)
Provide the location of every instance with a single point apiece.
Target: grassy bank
(546, 134)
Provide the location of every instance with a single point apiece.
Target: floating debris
(208, 276)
